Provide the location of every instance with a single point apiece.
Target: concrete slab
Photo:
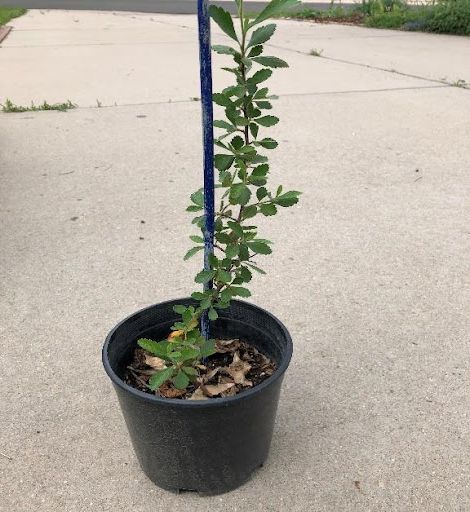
(136, 53)
(370, 274)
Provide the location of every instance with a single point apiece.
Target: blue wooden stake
(205, 67)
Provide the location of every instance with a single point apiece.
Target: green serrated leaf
(267, 120)
(188, 353)
(198, 197)
(240, 291)
(223, 162)
(259, 247)
(231, 251)
(188, 370)
(194, 208)
(237, 142)
(271, 62)
(204, 276)
(160, 377)
(261, 193)
(159, 349)
(224, 125)
(181, 380)
(239, 194)
(192, 252)
(274, 8)
(254, 128)
(249, 211)
(221, 99)
(268, 143)
(224, 50)
(260, 76)
(287, 199)
(268, 209)
(180, 309)
(197, 239)
(261, 35)
(208, 348)
(212, 314)
(224, 20)
(224, 276)
(257, 269)
(255, 51)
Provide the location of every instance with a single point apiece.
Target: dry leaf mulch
(235, 367)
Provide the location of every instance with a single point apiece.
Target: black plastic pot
(209, 446)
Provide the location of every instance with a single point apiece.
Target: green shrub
(451, 17)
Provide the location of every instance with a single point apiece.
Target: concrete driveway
(370, 273)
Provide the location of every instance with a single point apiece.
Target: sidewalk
(370, 272)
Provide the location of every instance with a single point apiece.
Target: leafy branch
(243, 183)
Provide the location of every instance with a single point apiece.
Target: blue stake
(205, 68)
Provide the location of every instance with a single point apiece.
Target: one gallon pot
(210, 446)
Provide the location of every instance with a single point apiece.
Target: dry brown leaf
(211, 374)
(155, 362)
(198, 395)
(217, 389)
(223, 346)
(238, 370)
(168, 391)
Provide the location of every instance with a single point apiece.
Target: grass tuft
(9, 107)
(8, 13)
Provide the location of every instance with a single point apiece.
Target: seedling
(243, 193)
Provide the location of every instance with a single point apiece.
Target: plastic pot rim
(211, 402)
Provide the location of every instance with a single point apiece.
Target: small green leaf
(159, 349)
(198, 197)
(234, 90)
(188, 353)
(160, 377)
(261, 35)
(237, 142)
(260, 76)
(268, 209)
(245, 274)
(188, 370)
(194, 208)
(192, 252)
(235, 227)
(249, 211)
(267, 120)
(231, 251)
(181, 380)
(212, 314)
(239, 194)
(223, 162)
(259, 247)
(204, 276)
(224, 50)
(179, 308)
(261, 193)
(263, 104)
(240, 291)
(197, 239)
(288, 198)
(268, 143)
(274, 8)
(221, 99)
(224, 20)
(271, 62)
(255, 51)
(224, 125)
(224, 276)
(208, 348)
(254, 128)
(257, 269)
(198, 295)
